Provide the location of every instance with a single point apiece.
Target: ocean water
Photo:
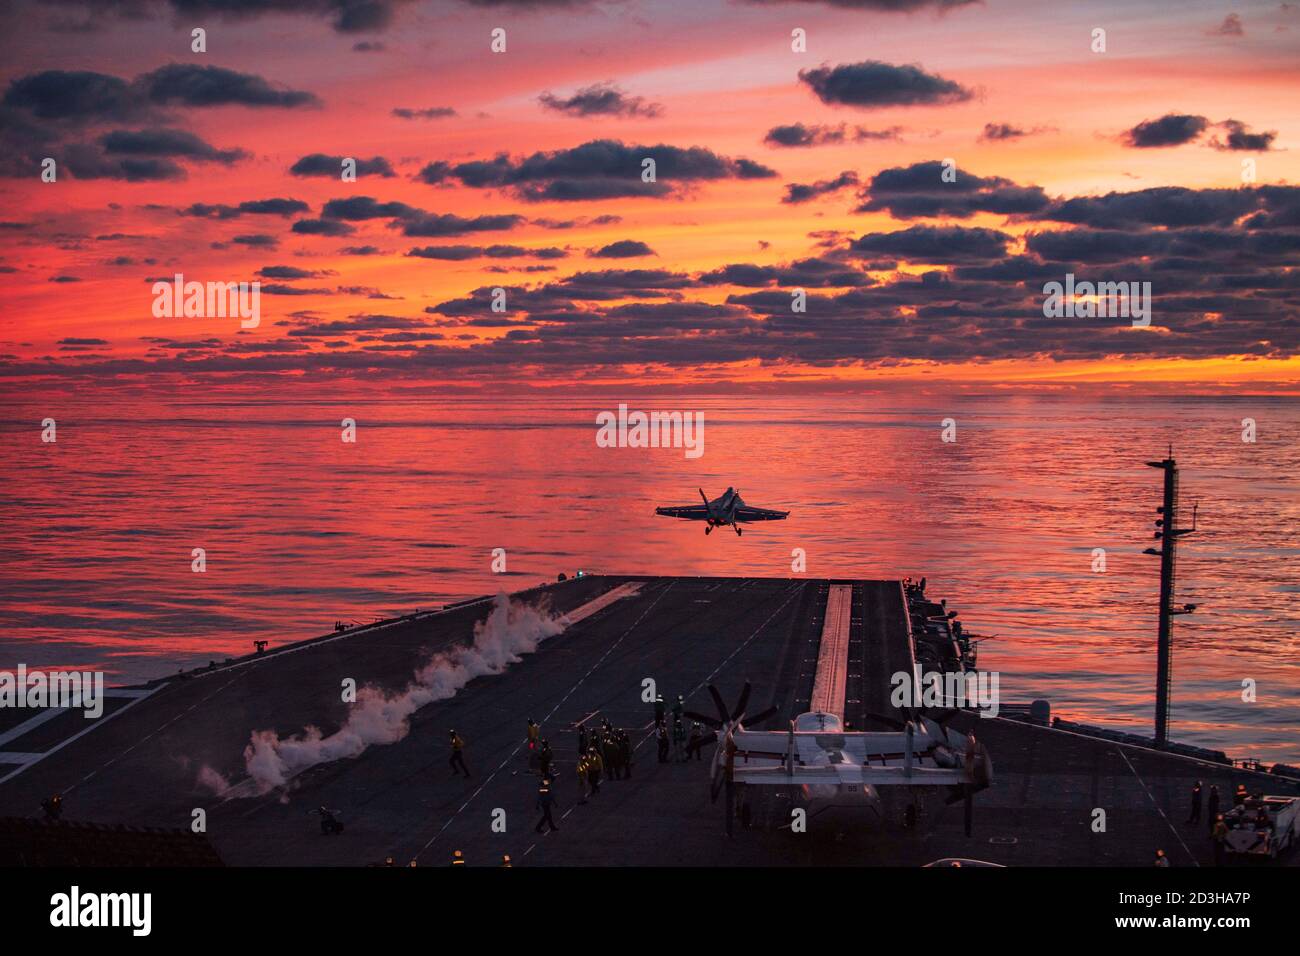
(301, 529)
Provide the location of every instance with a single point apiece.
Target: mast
(1168, 534)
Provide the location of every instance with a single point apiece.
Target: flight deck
(803, 644)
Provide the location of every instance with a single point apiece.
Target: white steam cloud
(511, 629)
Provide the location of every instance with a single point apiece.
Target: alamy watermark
(651, 430)
(1102, 300)
(936, 689)
(39, 690)
(208, 300)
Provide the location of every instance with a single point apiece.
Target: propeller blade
(742, 703)
(717, 700)
(703, 718)
(761, 716)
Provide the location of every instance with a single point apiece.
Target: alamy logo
(210, 300)
(652, 430)
(934, 689)
(41, 689)
(75, 908)
(1105, 300)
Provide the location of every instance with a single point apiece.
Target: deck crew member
(613, 756)
(663, 744)
(1196, 804)
(457, 858)
(1213, 814)
(582, 779)
(545, 800)
(1161, 860)
(696, 742)
(595, 767)
(544, 758)
(458, 755)
(1219, 834)
(624, 744)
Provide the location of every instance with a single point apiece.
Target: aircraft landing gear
(738, 531)
(708, 529)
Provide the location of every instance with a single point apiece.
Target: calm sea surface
(301, 529)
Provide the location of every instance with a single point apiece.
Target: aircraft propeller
(726, 723)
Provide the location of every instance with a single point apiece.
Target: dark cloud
(433, 225)
(90, 162)
(1001, 132)
(345, 16)
(622, 249)
(275, 288)
(187, 84)
(447, 253)
(264, 207)
(322, 227)
(462, 253)
(358, 208)
(797, 134)
(805, 192)
(319, 164)
(168, 142)
(808, 273)
(287, 272)
(74, 96)
(1240, 138)
(432, 112)
(578, 222)
(1172, 129)
(600, 169)
(872, 84)
(601, 99)
(940, 244)
(356, 323)
(256, 240)
(909, 192)
(1165, 206)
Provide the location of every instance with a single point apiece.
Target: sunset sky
(776, 170)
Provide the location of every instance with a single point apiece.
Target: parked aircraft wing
(848, 774)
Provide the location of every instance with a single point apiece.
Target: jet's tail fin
(704, 496)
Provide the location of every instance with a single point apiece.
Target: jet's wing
(690, 512)
(746, 513)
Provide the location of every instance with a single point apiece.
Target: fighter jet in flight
(728, 509)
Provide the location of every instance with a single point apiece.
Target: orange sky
(721, 75)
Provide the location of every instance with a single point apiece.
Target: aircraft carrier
(834, 643)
